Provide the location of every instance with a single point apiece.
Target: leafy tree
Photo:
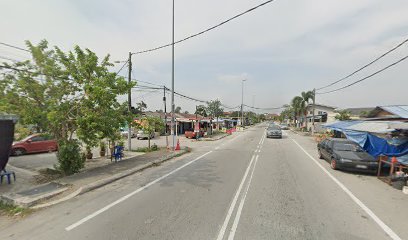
(177, 110)
(201, 110)
(214, 109)
(150, 125)
(67, 93)
(343, 115)
(299, 104)
(186, 112)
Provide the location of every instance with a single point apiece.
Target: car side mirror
(29, 141)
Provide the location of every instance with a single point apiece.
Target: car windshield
(349, 147)
(271, 128)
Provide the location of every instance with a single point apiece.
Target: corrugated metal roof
(366, 126)
(399, 110)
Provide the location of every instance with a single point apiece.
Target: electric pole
(173, 130)
(314, 102)
(242, 103)
(165, 116)
(130, 103)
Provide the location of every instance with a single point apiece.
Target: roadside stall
(385, 140)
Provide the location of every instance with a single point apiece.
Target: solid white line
(87, 218)
(384, 226)
(234, 201)
(241, 204)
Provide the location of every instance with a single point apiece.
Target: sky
(281, 49)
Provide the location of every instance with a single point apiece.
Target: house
(322, 114)
(359, 113)
(390, 113)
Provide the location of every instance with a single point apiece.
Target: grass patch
(146, 149)
(12, 210)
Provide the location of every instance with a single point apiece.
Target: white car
(124, 133)
(144, 135)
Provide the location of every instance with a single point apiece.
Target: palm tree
(306, 97)
(299, 104)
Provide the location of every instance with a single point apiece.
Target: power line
(9, 59)
(370, 63)
(126, 62)
(369, 76)
(259, 108)
(15, 47)
(206, 30)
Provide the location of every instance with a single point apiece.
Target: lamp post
(242, 103)
(173, 130)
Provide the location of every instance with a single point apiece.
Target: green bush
(70, 158)
(154, 147)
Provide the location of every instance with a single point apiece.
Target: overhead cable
(206, 30)
(368, 64)
(365, 78)
(15, 47)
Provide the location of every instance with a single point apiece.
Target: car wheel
(333, 164)
(19, 151)
(320, 154)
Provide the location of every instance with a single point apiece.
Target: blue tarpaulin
(373, 144)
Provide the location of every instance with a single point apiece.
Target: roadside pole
(314, 102)
(130, 103)
(165, 117)
(173, 130)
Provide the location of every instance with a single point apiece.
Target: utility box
(7, 123)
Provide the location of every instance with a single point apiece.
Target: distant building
(323, 114)
(393, 113)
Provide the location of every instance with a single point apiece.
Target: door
(35, 144)
(323, 148)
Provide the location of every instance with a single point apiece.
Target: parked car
(34, 144)
(273, 131)
(144, 135)
(284, 127)
(124, 133)
(345, 154)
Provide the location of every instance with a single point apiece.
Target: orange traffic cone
(178, 145)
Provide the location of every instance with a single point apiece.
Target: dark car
(34, 144)
(274, 131)
(347, 155)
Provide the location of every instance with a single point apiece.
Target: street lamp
(242, 102)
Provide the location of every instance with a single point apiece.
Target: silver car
(144, 135)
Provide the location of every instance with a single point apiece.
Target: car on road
(347, 155)
(144, 135)
(273, 131)
(35, 143)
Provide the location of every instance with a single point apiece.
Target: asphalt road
(242, 187)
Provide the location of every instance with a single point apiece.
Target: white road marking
(216, 148)
(241, 204)
(384, 226)
(87, 218)
(234, 201)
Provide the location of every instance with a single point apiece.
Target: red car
(34, 144)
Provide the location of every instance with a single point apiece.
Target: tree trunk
(149, 141)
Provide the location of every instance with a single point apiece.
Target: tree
(287, 113)
(299, 104)
(214, 109)
(150, 125)
(67, 93)
(177, 110)
(186, 112)
(201, 110)
(343, 115)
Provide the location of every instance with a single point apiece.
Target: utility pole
(314, 102)
(165, 116)
(130, 103)
(242, 103)
(173, 130)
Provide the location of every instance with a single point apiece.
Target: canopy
(373, 137)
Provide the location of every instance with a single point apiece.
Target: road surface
(241, 187)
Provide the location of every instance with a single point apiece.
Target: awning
(366, 134)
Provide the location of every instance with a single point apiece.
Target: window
(311, 112)
(37, 139)
(320, 112)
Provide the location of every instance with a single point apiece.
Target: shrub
(70, 158)
(154, 147)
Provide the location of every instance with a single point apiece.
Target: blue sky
(281, 49)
